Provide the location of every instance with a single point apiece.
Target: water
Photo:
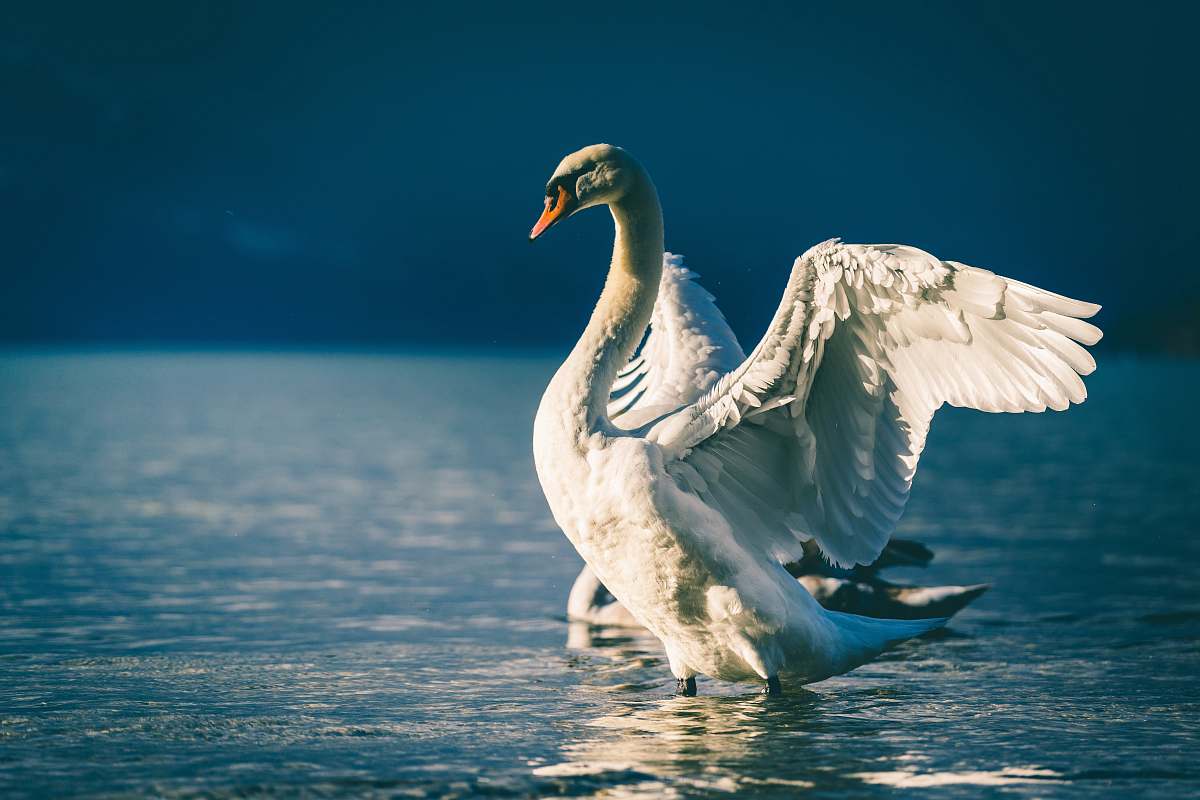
(294, 575)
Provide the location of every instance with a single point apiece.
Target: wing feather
(867, 343)
(689, 347)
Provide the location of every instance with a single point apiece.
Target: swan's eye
(557, 195)
(559, 203)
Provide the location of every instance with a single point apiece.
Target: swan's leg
(773, 688)
(685, 676)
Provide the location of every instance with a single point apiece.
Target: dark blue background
(304, 173)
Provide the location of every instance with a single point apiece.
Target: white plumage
(868, 342)
(689, 348)
(703, 471)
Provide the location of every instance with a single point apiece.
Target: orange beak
(558, 207)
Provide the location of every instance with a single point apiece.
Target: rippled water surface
(244, 575)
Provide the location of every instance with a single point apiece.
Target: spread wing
(817, 434)
(688, 349)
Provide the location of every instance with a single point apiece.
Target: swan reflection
(650, 743)
(847, 735)
(723, 743)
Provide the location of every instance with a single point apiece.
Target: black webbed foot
(685, 687)
(773, 688)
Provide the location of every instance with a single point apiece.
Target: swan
(687, 477)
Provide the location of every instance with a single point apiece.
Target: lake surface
(335, 575)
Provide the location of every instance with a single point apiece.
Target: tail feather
(857, 640)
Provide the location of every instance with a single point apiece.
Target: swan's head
(594, 176)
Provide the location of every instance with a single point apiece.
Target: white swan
(686, 500)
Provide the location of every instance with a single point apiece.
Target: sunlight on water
(241, 575)
(917, 780)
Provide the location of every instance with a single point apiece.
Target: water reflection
(856, 735)
(913, 779)
(729, 738)
(606, 639)
(712, 742)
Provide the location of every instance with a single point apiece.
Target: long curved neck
(623, 311)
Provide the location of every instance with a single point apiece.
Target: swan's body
(856, 591)
(687, 499)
